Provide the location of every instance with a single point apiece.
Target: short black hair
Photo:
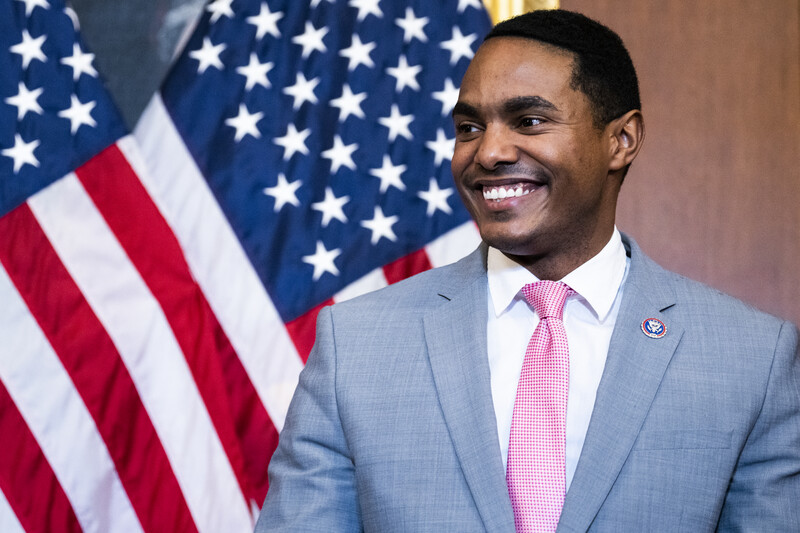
(603, 69)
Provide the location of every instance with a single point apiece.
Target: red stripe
(303, 330)
(26, 477)
(407, 266)
(240, 419)
(97, 370)
(258, 434)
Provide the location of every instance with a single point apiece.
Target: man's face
(529, 162)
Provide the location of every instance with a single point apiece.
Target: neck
(555, 266)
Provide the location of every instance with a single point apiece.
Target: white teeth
(500, 193)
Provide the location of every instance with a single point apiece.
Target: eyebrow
(512, 105)
(520, 103)
(462, 108)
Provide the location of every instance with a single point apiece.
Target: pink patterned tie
(536, 473)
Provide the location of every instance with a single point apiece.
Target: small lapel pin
(654, 328)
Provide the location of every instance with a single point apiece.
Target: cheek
(462, 155)
(579, 165)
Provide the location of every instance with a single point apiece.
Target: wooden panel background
(715, 193)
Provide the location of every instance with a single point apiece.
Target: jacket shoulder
(697, 301)
(422, 291)
(717, 306)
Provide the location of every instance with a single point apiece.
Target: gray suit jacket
(392, 427)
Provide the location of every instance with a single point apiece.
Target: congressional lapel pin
(654, 328)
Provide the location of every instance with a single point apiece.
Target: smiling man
(537, 169)
(556, 378)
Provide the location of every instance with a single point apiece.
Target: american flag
(158, 291)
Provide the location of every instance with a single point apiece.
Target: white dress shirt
(589, 318)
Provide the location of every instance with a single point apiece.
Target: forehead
(509, 67)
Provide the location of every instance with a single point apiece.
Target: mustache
(512, 170)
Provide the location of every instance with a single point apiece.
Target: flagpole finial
(504, 9)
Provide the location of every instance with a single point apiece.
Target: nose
(496, 148)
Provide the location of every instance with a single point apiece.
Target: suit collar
(634, 369)
(455, 334)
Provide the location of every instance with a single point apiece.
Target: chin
(510, 244)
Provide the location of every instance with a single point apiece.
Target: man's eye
(466, 127)
(528, 122)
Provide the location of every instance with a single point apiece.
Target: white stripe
(141, 334)
(453, 245)
(216, 259)
(59, 420)
(372, 281)
(8, 520)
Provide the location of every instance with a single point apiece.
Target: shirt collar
(597, 281)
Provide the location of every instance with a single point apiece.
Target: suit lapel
(634, 369)
(455, 333)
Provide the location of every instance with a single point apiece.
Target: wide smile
(505, 194)
(497, 193)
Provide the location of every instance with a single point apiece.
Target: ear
(627, 137)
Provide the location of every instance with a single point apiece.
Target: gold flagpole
(505, 9)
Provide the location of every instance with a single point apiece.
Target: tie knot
(547, 297)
